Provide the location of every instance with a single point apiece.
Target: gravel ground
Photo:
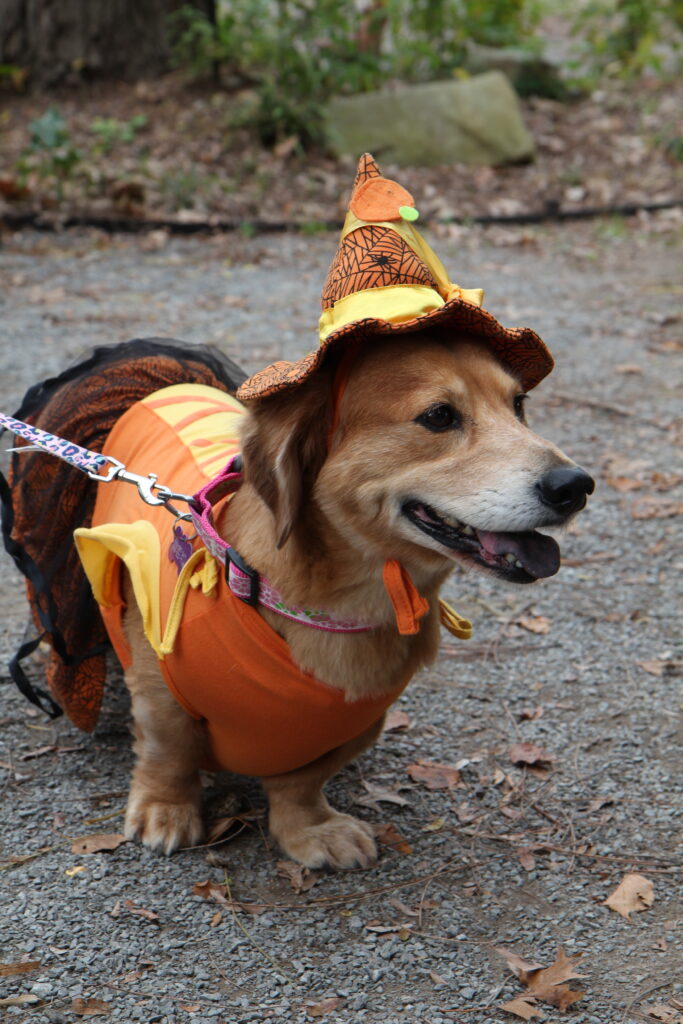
(600, 690)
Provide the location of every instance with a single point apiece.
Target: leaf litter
(666, 1013)
(323, 1007)
(635, 892)
(300, 878)
(388, 835)
(90, 1007)
(531, 754)
(434, 775)
(98, 842)
(21, 967)
(377, 794)
(544, 984)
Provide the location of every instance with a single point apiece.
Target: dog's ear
(284, 445)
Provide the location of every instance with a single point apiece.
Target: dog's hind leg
(164, 804)
(302, 821)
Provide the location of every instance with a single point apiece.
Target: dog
(361, 488)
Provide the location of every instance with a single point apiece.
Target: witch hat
(385, 279)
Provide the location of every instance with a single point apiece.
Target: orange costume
(219, 658)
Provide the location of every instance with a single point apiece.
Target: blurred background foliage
(295, 54)
(239, 123)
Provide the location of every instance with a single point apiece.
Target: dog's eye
(519, 407)
(439, 417)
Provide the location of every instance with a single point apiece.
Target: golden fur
(320, 524)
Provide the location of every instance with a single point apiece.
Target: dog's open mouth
(520, 557)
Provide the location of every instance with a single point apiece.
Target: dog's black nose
(564, 490)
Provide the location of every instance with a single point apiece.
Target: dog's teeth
(518, 564)
(510, 558)
(452, 521)
(468, 531)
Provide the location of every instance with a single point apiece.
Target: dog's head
(431, 460)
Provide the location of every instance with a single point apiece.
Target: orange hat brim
(519, 349)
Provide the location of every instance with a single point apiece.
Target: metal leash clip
(151, 492)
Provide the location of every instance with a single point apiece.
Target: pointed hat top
(386, 279)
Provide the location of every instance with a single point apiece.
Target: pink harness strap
(243, 581)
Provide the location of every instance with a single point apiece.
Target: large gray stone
(472, 121)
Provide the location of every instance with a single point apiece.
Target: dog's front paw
(341, 841)
(162, 825)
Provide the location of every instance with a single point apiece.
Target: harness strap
(408, 604)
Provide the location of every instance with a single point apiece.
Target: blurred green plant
(180, 188)
(50, 153)
(111, 132)
(627, 37)
(295, 54)
(428, 38)
(13, 75)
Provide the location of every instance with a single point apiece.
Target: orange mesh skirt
(46, 500)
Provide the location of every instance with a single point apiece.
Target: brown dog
(431, 463)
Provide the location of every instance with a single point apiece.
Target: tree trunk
(57, 41)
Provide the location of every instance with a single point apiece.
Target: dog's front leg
(164, 803)
(302, 821)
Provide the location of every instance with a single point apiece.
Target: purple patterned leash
(243, 581)
(91, 463)
(41, 440)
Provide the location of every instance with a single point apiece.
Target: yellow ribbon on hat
(396, 303)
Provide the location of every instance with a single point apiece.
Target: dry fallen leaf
(220, 828)
(517, 964)
(434, 775)
(215, 891)
(389, 835)
(299, 877)
(26, 999)
(634, 892)
(98, 842)
(666, 1013)
(90, 1007)
(530, 753)
(530, 714)
(396, 720)
(526, 858)
(546, 983)
(323, 1007)
(624, 484)
(21, 967)
(76, 870)
(654, 667)
(211, 891)
(513, 813)
(524, 1007)
(468, 812)
(534, 623)
(654, 508)
(390, 929)
(149, 915)
(382, 794)
(216, 919)
(434, 826)
(190, 1007)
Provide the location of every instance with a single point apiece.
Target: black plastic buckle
(254, 578)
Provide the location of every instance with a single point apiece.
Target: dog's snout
(565, 489)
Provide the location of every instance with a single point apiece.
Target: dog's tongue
(539, 554)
